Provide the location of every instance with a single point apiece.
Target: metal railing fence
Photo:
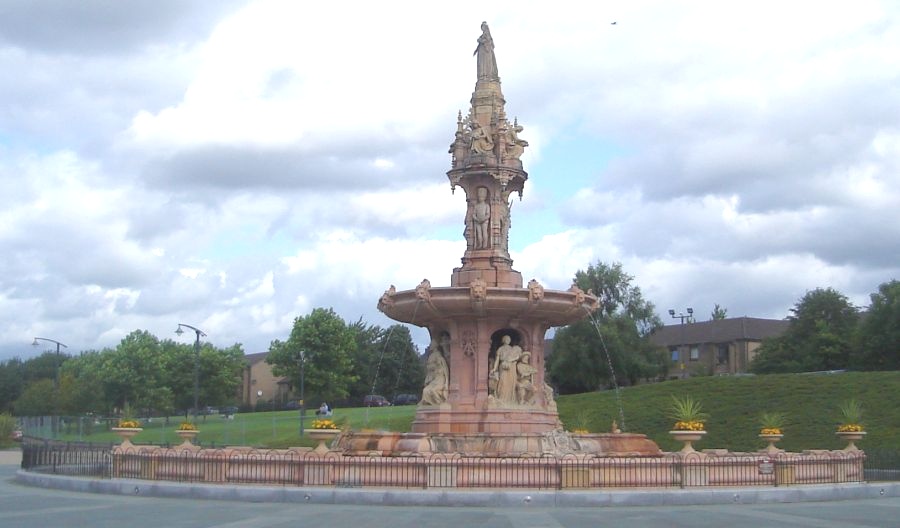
(305, 468)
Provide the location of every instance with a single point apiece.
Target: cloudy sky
(233, 165)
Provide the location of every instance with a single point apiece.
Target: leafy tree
(618, 333)
(81, 384)
(135, 374)
(385, 361)
(220, 372)
(12, 382)
(37, 399)
(326, 344)
(403, 369)
(878, 341)
(44, 366)
(718, 313)
(819, 337)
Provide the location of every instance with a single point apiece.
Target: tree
(819, 336)
(82, 383)
(878, 336)
(326, 344)
(135, 374)
(718, 313)
(385, 362)
(618, 334)
(397, 368)
(12, 382)
(34, 400)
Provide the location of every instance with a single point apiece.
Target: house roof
(253, 359)
(719, 331)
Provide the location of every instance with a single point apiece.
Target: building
(724, 346)
(259, 384)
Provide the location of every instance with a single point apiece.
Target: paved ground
(10, 457)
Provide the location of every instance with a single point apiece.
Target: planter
(850, 437)
(126, 434)
(187, 436)
(322, 435)
(771, 439)
(688, 437)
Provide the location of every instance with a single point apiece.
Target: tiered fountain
(485, 392)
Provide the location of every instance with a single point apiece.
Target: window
(695, 353)
(674, 354)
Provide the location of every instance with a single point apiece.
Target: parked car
(293, 404)
(374, 400)
(406, 399)
(228, 411)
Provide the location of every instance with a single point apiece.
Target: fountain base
(556, 443)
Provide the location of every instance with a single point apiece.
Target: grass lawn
(264, 429)
(733, 403)
(810, 402)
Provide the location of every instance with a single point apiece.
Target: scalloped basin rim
(557, 307)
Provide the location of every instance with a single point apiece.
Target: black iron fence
(304, 468)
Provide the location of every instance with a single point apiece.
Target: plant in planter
(690, 421)
(187, 431)
(771, 429)
(324, 423)
(323, 430)
(126, 429)
(851, 428)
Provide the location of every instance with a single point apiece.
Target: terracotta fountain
(485, 391)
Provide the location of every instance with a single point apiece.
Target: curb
(463, 498)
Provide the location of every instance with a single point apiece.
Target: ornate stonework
(487, 330)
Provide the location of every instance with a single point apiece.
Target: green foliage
(820, 336)
(851, 411)
(810, 400)
(385, 362)
(878, 342)
(12, 382)
(326, 344)
(686, 409)
(36, 400)
(772, 420)
(7, 426)
(718, 313)
(620, 327)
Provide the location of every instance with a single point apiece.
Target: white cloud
(234, 167)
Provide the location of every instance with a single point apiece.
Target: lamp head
(35, 343)
(672, 313)
(179, 330)
(690, 311)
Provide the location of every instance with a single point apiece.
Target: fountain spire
(486, 163)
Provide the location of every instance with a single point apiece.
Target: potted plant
(127, 428)
(771, 429)
(689, 422)
(851, 428)
(187, 431)
(323, 429)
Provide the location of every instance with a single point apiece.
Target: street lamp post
(302, 396)
(58, 344)
(199, 333)
(690, 318)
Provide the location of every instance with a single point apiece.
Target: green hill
(734, 403)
